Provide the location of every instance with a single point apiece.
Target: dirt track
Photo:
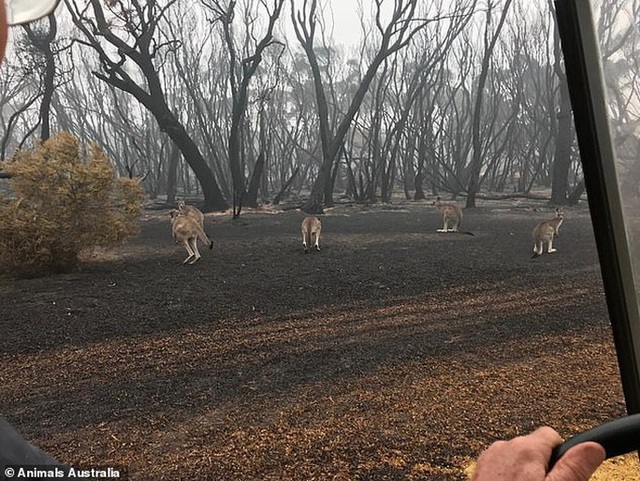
(394, 353)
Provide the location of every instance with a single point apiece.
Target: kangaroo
(187, 231)
(191, 211)
(311, 227)
(450, 213)
(545, 231)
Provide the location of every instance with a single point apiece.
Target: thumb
(579, 463)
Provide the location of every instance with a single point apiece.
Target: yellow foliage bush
(67, 200)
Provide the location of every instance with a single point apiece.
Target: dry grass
(623, 468)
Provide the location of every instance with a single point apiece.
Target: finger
(547, 436)
(579, 463)
(544, 439)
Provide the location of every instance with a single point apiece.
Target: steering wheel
(617, 437)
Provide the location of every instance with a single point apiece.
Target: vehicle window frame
(585, 80)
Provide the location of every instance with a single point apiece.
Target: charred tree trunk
(574, 198)
(562, 155)
(476, 141)
(213, 199)
(172, 174)
(251, 197)
(43, 42)
(285, 187)
(564, 137)
(168, 123)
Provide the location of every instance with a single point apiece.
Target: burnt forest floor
(394, 353)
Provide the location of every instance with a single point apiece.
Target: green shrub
(67, 200)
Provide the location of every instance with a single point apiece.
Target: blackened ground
(394, 353)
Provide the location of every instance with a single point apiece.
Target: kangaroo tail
(210, 241)
(535, 254)
(202, 235)
(467, 232)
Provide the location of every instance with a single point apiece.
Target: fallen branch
(512, 196)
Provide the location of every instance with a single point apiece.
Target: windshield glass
(619, 43)
(299, 239)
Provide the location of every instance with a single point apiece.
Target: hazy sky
(346, 22)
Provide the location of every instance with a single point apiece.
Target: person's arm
(526, 458)
(4, 30)
(14, 449)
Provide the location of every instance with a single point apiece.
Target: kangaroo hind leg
(551, 249)
(194, 247)
(187, 246)
(305, 237)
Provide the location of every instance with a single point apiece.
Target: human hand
(526, 458)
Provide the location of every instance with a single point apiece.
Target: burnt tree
(241, 70)
(140, 44)
(395, 35)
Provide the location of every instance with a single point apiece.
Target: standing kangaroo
(186, 231)
(450, 213)
(545, 231)
(311, 227)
